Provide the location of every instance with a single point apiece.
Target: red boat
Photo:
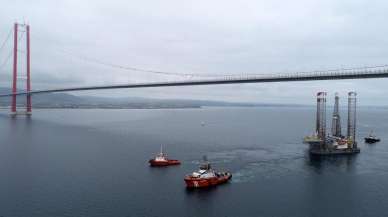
(206, 177)
(161, 160)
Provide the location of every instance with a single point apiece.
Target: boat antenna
(161, 149)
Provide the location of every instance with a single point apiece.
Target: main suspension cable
(131, 68)
(6, 39)
(10, 54)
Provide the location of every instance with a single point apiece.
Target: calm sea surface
(94, 163)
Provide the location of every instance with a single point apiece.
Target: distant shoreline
(186, 107)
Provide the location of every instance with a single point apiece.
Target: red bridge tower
(21, 28)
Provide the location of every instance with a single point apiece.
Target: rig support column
(321, 116)
(336, 122)
(352, 100)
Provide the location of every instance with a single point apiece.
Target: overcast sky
(203, 37)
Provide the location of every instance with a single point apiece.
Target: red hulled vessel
(161, 160)
(206, 177)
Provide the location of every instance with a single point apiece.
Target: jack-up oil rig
(335, 143)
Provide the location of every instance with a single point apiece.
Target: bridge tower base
(24, 29)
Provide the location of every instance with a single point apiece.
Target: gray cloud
(205, 37)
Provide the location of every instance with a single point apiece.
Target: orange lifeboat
(206, 177)
(161, 160)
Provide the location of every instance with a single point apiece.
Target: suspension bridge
(351, 73)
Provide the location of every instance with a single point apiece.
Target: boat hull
(155, 163)
(371, 140)
(192, 182)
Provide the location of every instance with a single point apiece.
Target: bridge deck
(328, 75)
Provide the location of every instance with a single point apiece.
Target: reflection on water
(340, 162)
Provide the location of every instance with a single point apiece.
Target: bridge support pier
(15, 70)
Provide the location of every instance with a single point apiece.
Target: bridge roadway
(326, 75)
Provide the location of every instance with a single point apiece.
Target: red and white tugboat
(161, 160)
(206, 177)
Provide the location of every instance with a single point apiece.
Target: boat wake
(263, 163)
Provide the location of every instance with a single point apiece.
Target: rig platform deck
(347, 151)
